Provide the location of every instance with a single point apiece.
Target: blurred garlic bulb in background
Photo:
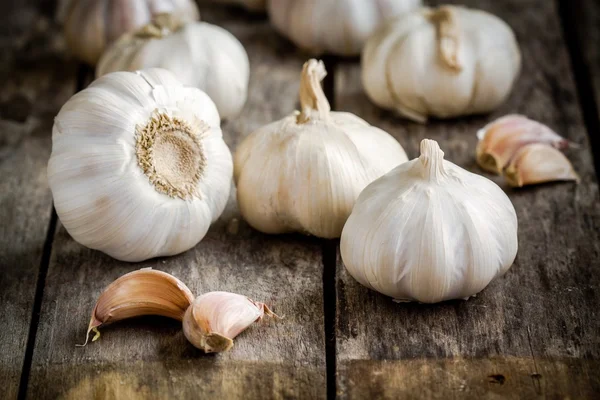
(200, 55)
(252, 5)
(430, 231)
(91, 25)
(139, 168)
(303, 173)
(442, 62)
(338, 27)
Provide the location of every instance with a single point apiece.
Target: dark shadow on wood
(37, 305)
(568, 13)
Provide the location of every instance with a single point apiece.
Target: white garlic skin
(465, 63)
(200, 55)
(430, 231)
(102, 195)
(91, 25)
(338, 27)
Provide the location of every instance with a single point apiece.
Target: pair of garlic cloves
(525, 151)
(210, 322)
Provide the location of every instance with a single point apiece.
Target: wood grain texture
(35, 81)
(150, 357)
(534, 332)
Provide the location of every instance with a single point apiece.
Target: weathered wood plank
(150, 357)
(35, 81)
(533, 332)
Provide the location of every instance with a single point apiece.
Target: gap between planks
(84, 77)
(581, 75)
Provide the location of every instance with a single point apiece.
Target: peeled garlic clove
(304, 172)
(92, 25)
(216, 318)
(139, 168)
(443, 62)
(201, 55)
(500, 140)
(333, 26)
(142, 292)
(430, 231)
(539, 163)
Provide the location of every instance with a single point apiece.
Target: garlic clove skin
(331, 26)
(142, 292)
(216, 318)
(430, 231)
(139, 168)
(539, 163)
(92, 25)
(500, 140)
(441, 62)
(200, 55)
(303, 173)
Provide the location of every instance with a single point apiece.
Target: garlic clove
(500, 140)
(216, 318)
(539, 163)
(142, 292)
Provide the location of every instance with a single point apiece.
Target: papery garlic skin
(501, 139)
(539, 163)
(430, 231)
(216, 318)
(338, 27)
(303, 173)
(443, 62)
(138, 167)
(92, 25)
(200, 55)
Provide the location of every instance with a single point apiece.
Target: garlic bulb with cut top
(139, 168)
(430, 231)
(200, 54)
(443, 62)
(91, 25)
(303, 173)
(338, 27)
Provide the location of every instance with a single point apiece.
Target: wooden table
(534, 333)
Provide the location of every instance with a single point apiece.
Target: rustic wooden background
(533, 334)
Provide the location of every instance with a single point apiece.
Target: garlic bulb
(139, 168)
(210, 322)
(430, 231)
(501, 139)
(91, 25)
(215, 318)
(199, 54)
(539, 163)
(334, 26)
(303, 173)
(442, 62)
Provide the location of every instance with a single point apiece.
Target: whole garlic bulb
(200, 54)
(334, 26)
(139, 168)
(430, 231)
(303, 173)
(442, 62)
(91, 25)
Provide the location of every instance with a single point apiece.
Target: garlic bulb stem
(432, 158)
(142, 292)
(448, 35)
(162, 25)
(312, 98)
